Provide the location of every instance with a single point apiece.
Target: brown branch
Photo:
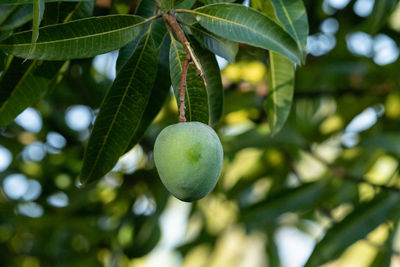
(182, 87)
(171, 22)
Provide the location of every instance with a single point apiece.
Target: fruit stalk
(171, 22)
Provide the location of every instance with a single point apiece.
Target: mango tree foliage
(309, 124)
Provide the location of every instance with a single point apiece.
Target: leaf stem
(171, 22)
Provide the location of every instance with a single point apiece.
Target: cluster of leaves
(142, 82)
(263, 178)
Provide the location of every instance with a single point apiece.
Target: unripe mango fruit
(188, 157)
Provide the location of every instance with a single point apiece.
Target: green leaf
(292, 14)
(158, 33)
(214, 87)
(121, 112)
(23, 84)
(246, 25)
(5, 11)
(281, 89)
(19, 16)
(196, 99)
(159, 94)
(365, 218)
(38, 11)
(208, 2)
(290, 200)
(265, 7)
(18, 2)
(166, 5)
(380, 14)
(220, 46)
(388, 141)
(77, 39)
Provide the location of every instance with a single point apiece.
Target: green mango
(188, 157)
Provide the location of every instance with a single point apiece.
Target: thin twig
(171, 22)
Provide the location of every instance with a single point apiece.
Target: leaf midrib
(118, 109)
(273, 87)
(76, 38)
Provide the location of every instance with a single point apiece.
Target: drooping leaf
(66, 11)
(77, 39)
(38, 11)
(365, 218)
(23, 84)
(18, 2)
(214, 84)
(292, 14)
(145, 8)
(379, 14)
(281, 89)
(388, 141)
(208, 2)
(220, 46)
(290, 200)
(121, 112)
(18, 17)
(246, 25)
(158, 95)
(196, 99)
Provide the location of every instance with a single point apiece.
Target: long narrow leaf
(18, 2)
(121, 112)
(77, 39)
(214, 84)
(281, 89)
(38, 11)
(196, 99)
(292, 14)
(218, 45)
(355, 226)
(159, 94)
(24, 84)
(18, 17)
(246, 25)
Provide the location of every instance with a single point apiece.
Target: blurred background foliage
(327, 185)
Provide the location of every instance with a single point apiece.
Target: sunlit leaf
(292, 14)
(291, 200)
(281, 89)
(365, 218)
(242, 24)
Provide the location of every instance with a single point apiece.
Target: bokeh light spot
(30, 120)
(78, 117)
